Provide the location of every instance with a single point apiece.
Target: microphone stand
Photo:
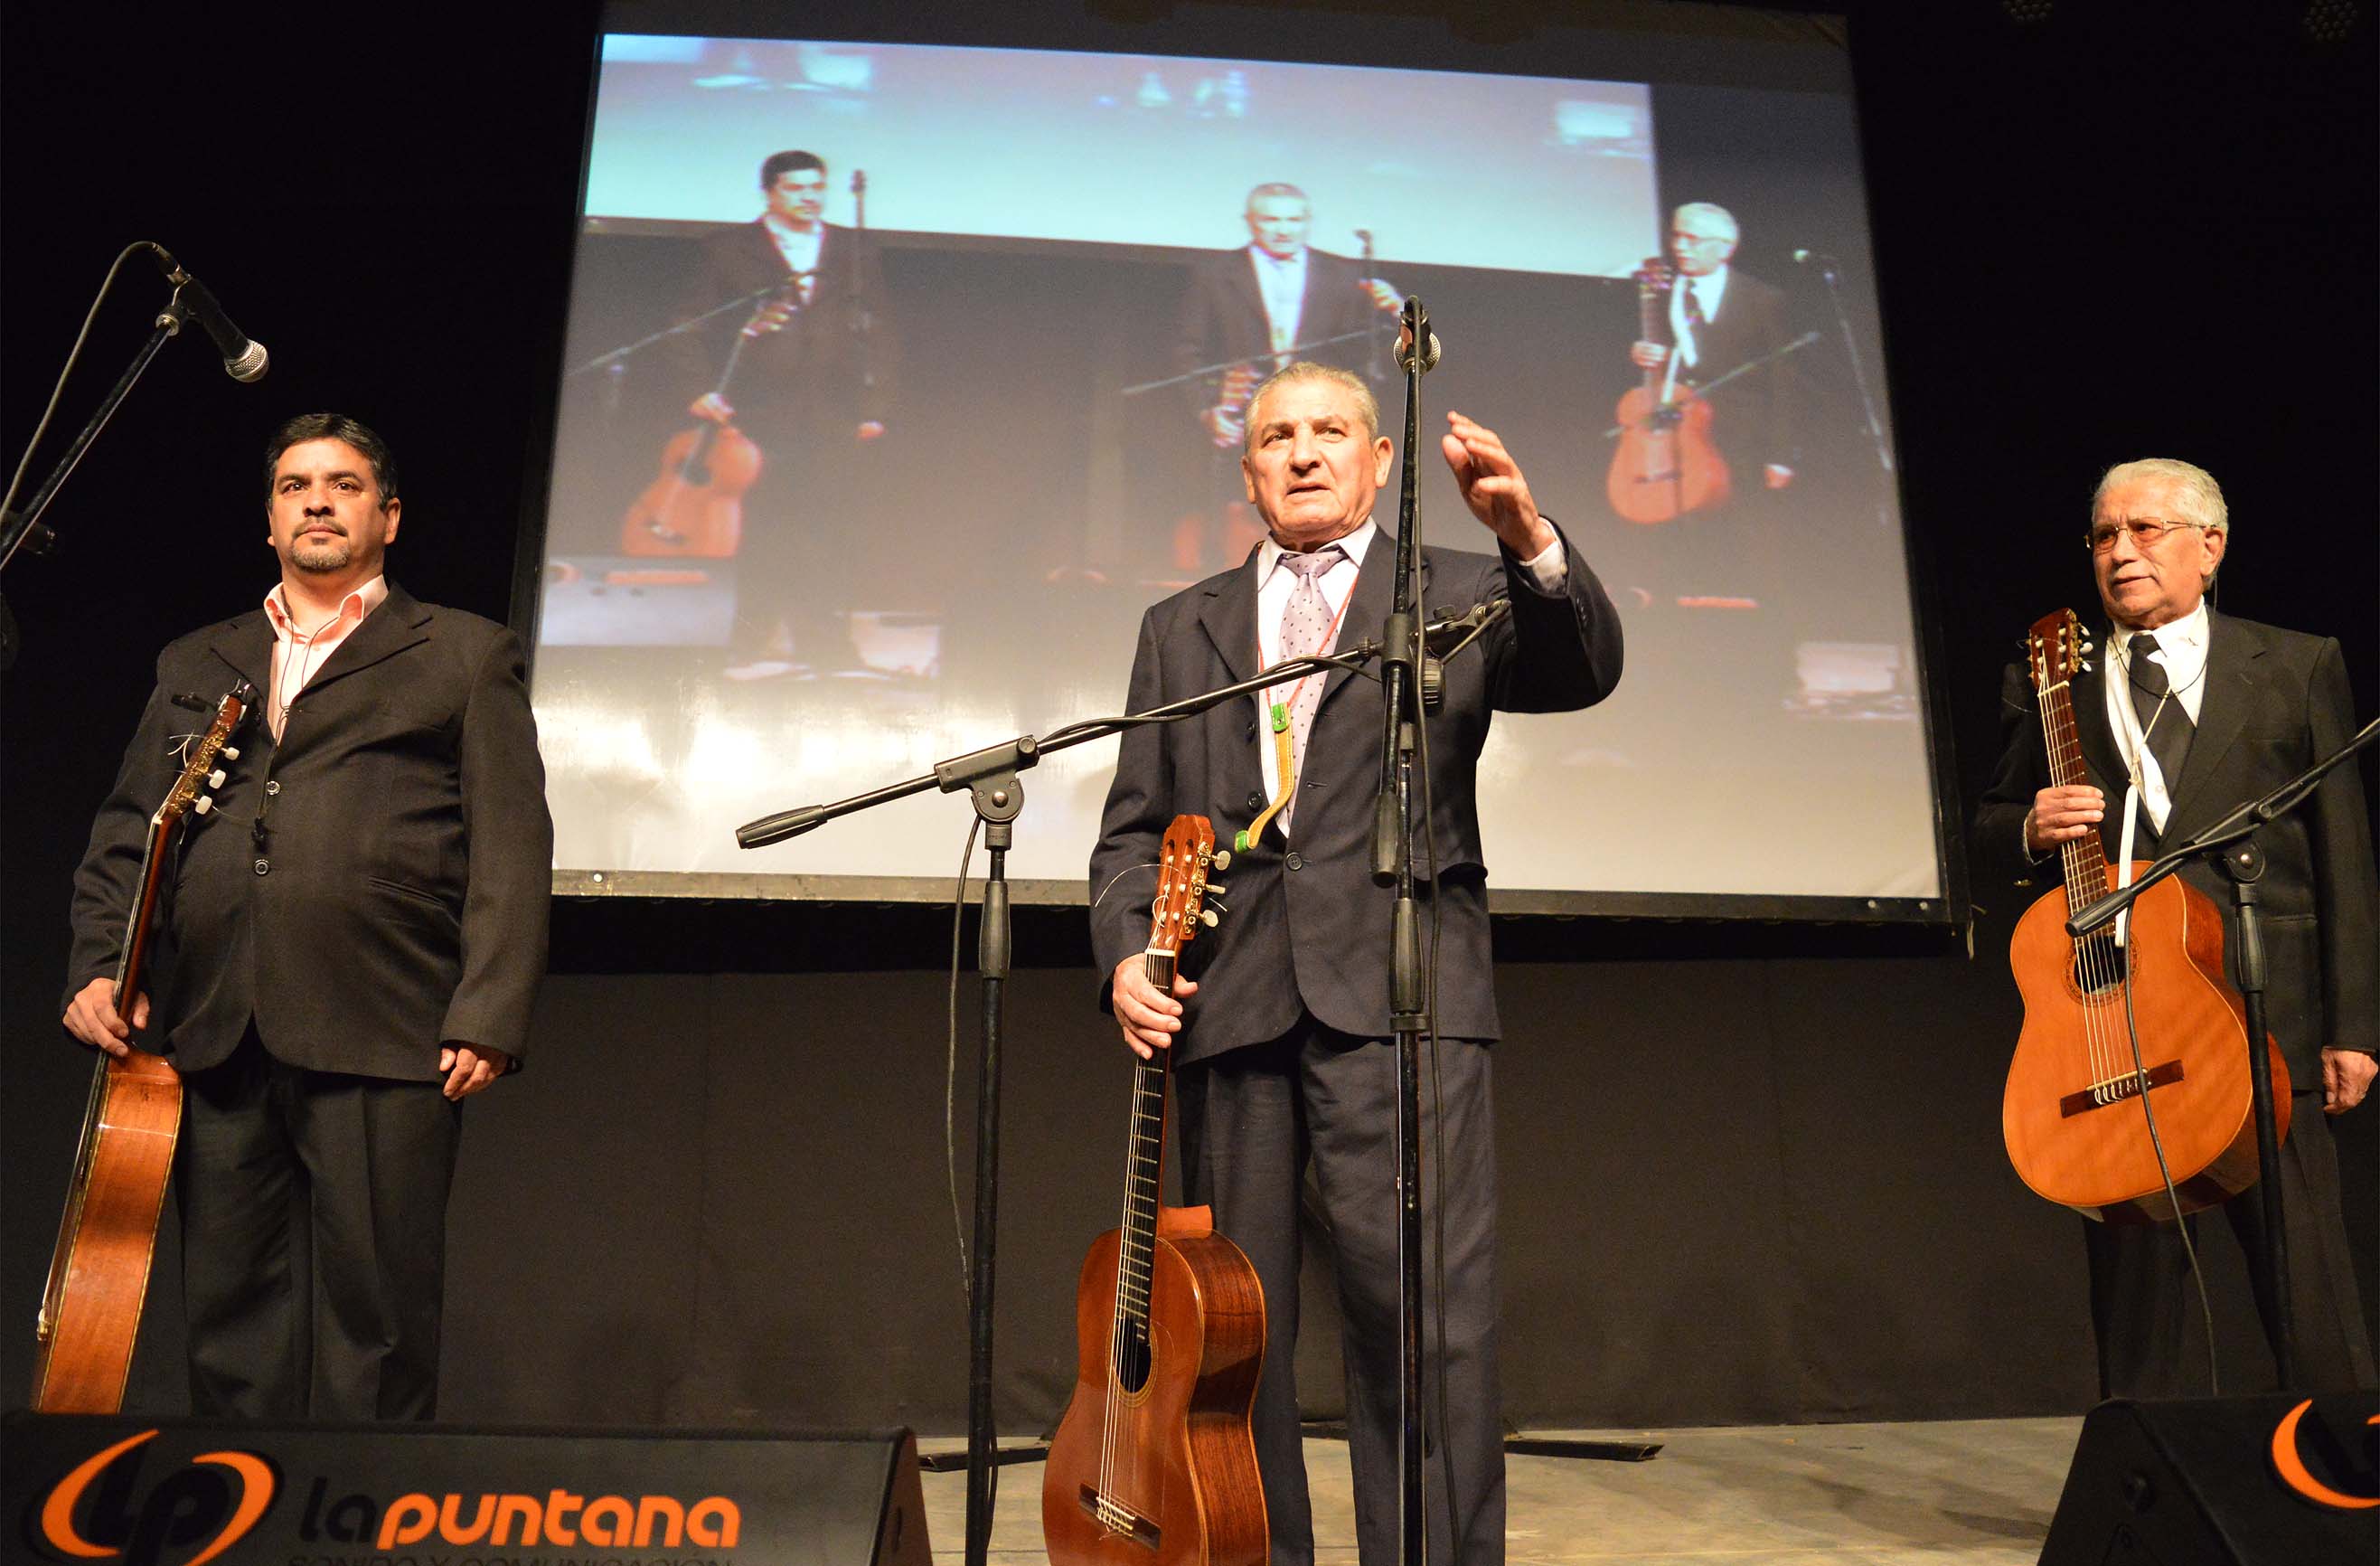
(2243, 866)
(1409, 1015)
(23, 527)
(990, 777)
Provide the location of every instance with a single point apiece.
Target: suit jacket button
(1294, 862)
(264, 866)
(1255, 801)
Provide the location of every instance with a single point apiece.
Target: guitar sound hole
(1132, 1356)
(2098, 967)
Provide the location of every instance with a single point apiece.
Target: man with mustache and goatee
(349, 950)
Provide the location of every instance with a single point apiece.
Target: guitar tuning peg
(228, 754)
(1223, 860)
(1210, 918)
(215, 778)
(1217, 889)
(206, 802)
(2090, 647)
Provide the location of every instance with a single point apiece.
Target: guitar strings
(2096, 960)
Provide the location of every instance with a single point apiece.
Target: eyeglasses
(2145, 531)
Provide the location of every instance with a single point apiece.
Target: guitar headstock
(777, 310)
(1655, 276)
(2055, 650)
(1187, 853)
(200, 772)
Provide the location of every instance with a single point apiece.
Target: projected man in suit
(1283, 1040)
(1720, 319)
(2187, 715)
(350, 948)
(813, 386)
(1254, 309)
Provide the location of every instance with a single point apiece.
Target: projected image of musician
(2183, 714)
(1249, 311)
(1283, 1047)
(355, 936)
(1708, 324)
(804, 380)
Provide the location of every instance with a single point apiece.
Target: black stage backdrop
(1750, 1173)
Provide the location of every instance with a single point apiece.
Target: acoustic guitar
(695, 507)
(1665, 464)
(107, 1237)
(1154, 1463)
(2069, 1116)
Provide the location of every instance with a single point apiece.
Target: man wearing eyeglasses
(2185, 714)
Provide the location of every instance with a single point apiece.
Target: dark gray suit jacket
(1223, 317)
(396, 899)
(2276, 701)
(1306, 928)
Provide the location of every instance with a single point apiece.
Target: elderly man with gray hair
(2186, 714)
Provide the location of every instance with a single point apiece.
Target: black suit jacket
(833, 364)
(1751, 415)
(396, 898)
(1307, 927)
(2275, 702)
(1223, 318)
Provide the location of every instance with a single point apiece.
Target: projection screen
(968, 370)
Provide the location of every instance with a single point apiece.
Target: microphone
(1413, 323)
(1428, 356)
(244, 357)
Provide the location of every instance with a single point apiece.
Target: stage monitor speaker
(161, 1492)
(2258, 1481)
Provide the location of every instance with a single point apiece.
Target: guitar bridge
(2099, 1095)
(1121, 1520)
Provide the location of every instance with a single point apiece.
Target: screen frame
(1697, 45)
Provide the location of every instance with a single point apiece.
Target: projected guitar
(107, 1238)
(696, 506)
(1665, 464)
(2069, 1115)
(1154, 1462)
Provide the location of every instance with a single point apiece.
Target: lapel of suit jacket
(400, 621)
(1229, 616)
(1375, 587)
(2087, 694)
(1241, 278)
(2228, 696)
(246, 644)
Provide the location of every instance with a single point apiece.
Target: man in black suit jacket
(351, 947)
(1282, 1022)
(812, 385)
(1718, 320)
(1252, 310)
(2204, 713)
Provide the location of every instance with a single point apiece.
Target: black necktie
(2165, 721)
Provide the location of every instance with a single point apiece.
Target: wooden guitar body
(90, 1313)
(1667, 464)
(695, 507)
(2193, 1031)
(1165, 1473)
(107, 1234)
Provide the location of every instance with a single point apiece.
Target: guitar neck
(1649, 311)
(2084, 860)
(1143, 1178)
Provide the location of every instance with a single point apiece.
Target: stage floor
(1948, 1493)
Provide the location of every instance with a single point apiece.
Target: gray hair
(2202, 497)
(1276, 188)
(1305, 370)
(1709, 214)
